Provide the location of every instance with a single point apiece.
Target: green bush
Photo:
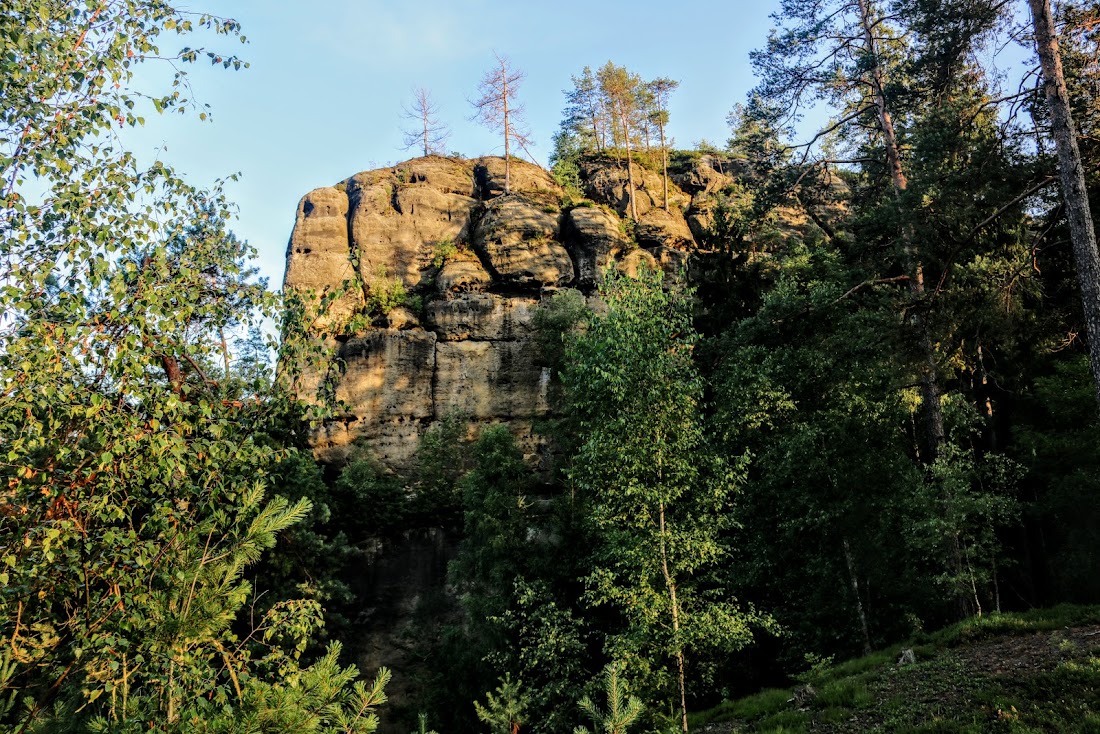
(443, 251)
(384, 293)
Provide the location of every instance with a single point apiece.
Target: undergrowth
(1018, 673)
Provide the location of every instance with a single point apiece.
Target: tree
(658, 498)
(620, 88)
(584, 118)
(1074, 191)
(498, 110)
(428, 132)
(506, 711)
(622, 708)
(133, 482)
(661, 88)
(852, 72)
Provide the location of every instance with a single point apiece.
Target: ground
(1032, 672)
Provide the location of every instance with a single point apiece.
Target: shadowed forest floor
(1032, 672)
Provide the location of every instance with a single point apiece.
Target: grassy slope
(1032, 672)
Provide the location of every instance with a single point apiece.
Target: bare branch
(427, 132)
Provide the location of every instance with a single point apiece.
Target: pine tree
(1074, 191)
(661, 89)
(620, 88)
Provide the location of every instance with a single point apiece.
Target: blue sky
(322, 99)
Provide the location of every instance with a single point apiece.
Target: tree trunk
(225, 352)
(172, 372)
(629, 163)
(987, 400)
(671, 584)
(854, 580)
(664, 163)
(507, 157)
(930, 389)
(1072, 173)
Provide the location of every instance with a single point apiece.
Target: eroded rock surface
(446, 274)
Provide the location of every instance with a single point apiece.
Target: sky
(323, 96)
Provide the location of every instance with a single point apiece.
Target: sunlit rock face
(431, 277)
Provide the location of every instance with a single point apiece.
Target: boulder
(513, 220)
(531, 265)
(701, 177)
(402, 318)
(660, 228)
(515, 236)
(609, 184)
(397, 216)
(675, 263)
(524, 178)
(445, 175)
(460, 276)
(592, 236)
(633, 262)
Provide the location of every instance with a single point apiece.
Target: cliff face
(445, 274)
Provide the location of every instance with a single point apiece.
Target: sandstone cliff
(444, 274)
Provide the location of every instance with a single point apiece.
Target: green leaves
(658, 495)
(133, 469)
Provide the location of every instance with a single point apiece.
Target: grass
(1036, 671)
(994, 625)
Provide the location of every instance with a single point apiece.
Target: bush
(384, 293)
(442, 252)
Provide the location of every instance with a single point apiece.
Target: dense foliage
(133, 466)
(858, 427)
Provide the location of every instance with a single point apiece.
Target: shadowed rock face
(474, 265)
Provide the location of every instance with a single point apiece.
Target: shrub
(384, 293)
(443, 251)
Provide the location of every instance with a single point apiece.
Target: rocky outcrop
(317, 257)
(444, 275)
(594, 237)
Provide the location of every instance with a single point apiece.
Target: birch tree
(659, 498)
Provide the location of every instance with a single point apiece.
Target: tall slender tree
(1074, 191)
(658, 497)
(584, 116)
(497, 109)
(620, 88)
(426, 129)
(660, 89)
(852, 71)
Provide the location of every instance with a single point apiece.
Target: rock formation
(432, 277)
